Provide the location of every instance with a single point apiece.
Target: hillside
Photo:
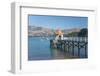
(40, 31)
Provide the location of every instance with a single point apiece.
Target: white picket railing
(76, 38)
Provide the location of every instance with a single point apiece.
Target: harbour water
(39, 49)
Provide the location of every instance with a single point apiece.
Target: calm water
(39, 49)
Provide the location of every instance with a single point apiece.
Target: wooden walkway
(71, 43)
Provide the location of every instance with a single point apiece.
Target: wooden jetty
(70, 43)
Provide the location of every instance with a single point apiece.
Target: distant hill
(67, 31)
(41, 31)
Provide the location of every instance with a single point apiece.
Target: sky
(54, 22)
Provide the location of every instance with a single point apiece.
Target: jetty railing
(85, 39)
(71, 42)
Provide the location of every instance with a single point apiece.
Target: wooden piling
(66, 44)
(73, 48)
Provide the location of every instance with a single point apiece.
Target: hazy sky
(54, 22)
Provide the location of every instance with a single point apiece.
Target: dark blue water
(39, 49)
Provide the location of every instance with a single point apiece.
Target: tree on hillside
(83, 32)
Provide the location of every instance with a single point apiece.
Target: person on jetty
(59, 34)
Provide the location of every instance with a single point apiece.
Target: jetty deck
(69, 44)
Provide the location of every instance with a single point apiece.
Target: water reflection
(40, 50)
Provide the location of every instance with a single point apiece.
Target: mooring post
(64, 45)
(73, 48)
(86, 49)
(78, 50)
(50, 43)
(68, 46)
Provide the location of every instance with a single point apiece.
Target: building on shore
(59, 34)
